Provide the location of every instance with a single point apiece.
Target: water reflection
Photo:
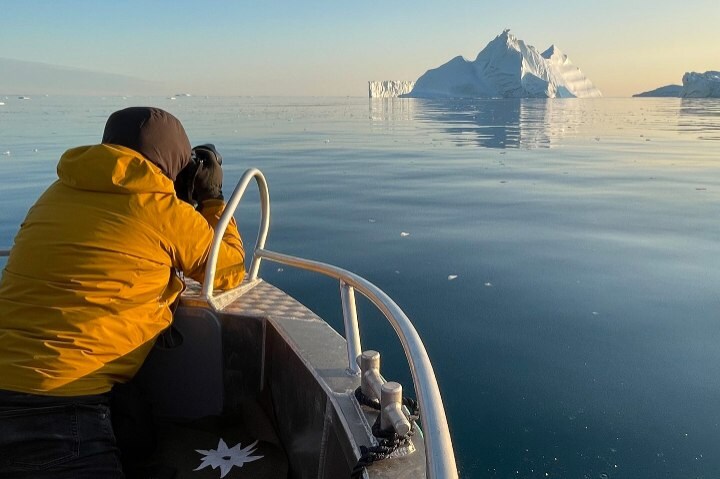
(488, 123)
(700, 116)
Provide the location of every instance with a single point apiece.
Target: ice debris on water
(7, 153)
(488, 284)
(404, 234)
(280, 270)
(372, 220)
(452, 277)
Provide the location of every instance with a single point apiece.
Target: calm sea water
(560, 258)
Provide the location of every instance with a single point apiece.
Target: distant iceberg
(506, 68)
(389, 88)
(695, 85)
(701, 85)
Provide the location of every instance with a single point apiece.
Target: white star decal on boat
(225, 458)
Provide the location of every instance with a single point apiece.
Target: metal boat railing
(440, 457)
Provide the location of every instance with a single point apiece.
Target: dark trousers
(57, 437)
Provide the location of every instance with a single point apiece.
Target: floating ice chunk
(404, 233)
(452, 277)
(7, 153)
(372, 220)
(488, 284)
(2, 103)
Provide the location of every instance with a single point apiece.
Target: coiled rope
(388, 440)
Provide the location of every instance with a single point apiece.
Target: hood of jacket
(152, 132)
(111, 169)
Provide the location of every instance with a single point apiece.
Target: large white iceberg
(506, 68)
(701, 85)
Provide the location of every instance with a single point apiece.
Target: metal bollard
(370, 380)
(391, 414)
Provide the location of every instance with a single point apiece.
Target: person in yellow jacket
(90, 284)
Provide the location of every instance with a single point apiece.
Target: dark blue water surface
(581, 336)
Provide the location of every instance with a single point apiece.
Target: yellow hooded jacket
(91, 277)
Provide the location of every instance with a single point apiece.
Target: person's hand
(209, 176)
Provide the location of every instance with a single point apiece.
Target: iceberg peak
(553, 51)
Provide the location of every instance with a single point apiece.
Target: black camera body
(185, 181)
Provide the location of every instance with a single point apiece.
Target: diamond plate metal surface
(261, 299)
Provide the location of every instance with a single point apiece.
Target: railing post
(352, 331)
(232, 204)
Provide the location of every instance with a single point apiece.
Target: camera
(185, 181)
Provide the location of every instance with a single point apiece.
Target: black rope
(388, 440)
(365, 400)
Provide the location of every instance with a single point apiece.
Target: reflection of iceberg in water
(391, 109)
(489, 123)
(699, 116)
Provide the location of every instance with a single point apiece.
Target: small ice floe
(7, 153)
(452, 277)
(488, 284)
(372, 220)
(595, 313)
(172, 98)
(2, 103)
(404, 234)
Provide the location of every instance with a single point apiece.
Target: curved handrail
(439, 455)
(230, 207)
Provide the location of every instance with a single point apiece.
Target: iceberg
(701, 85)
(389, 88)
(506, 68)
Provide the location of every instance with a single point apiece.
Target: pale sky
(301, 47)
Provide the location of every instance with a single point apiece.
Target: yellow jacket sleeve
(193, 236)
